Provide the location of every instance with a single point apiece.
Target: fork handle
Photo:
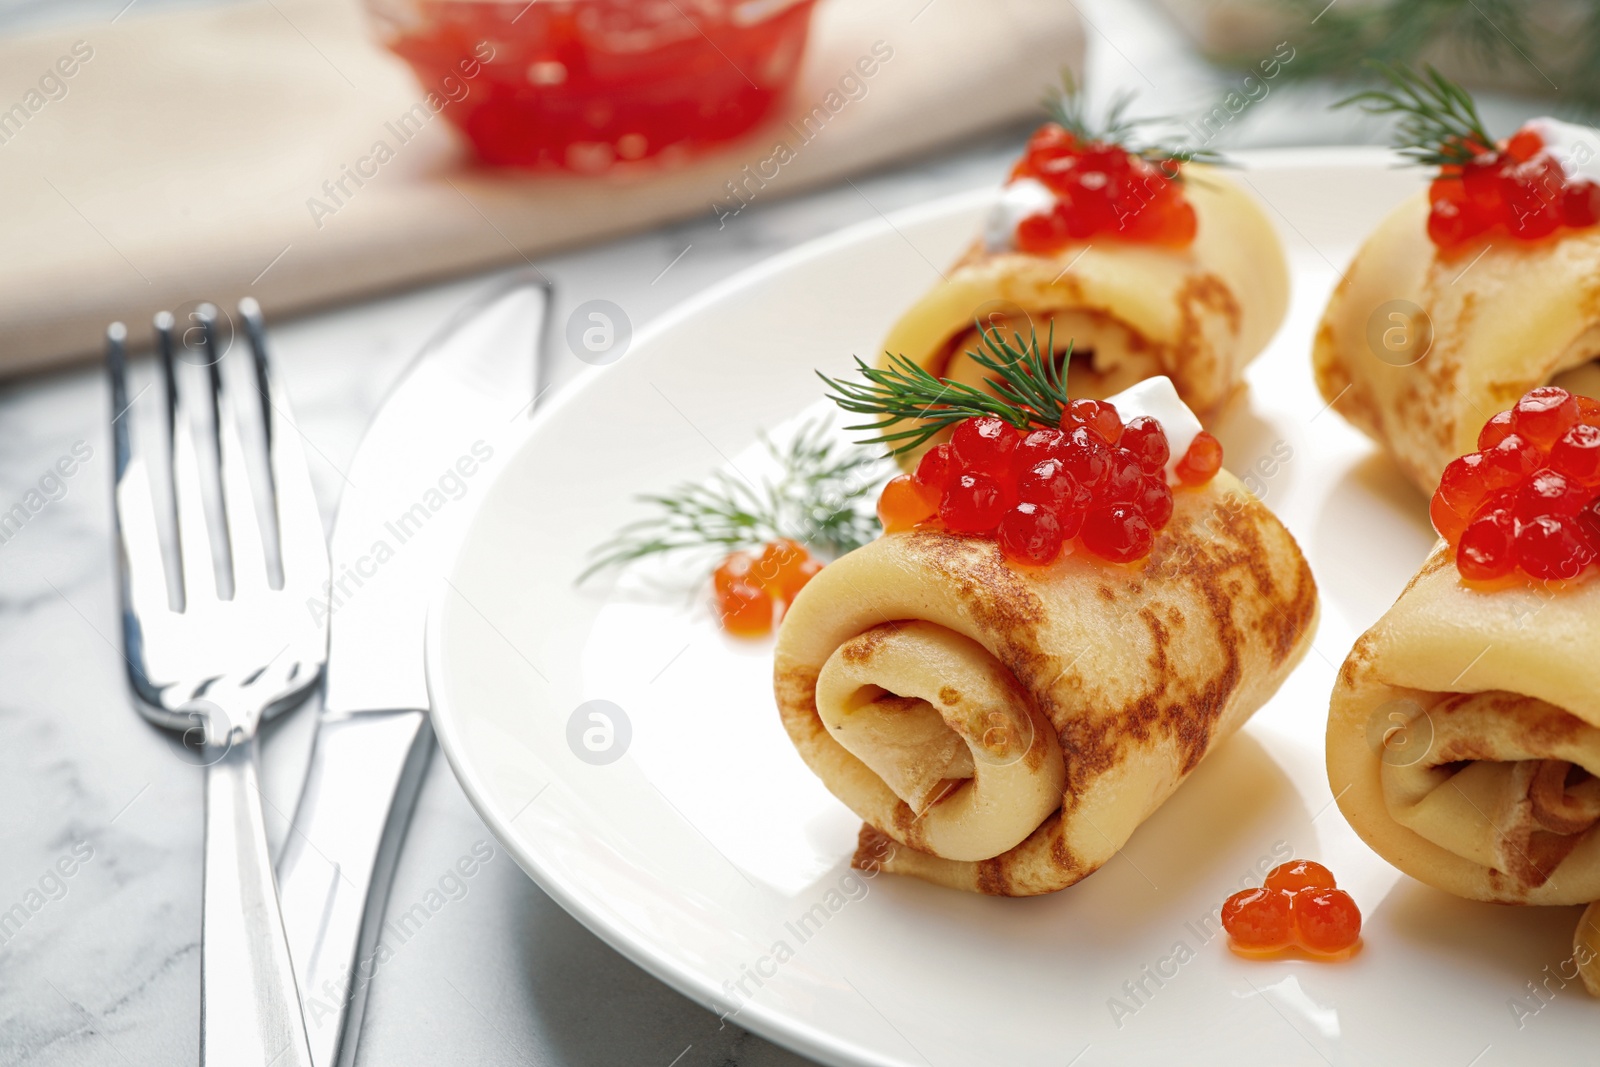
(249, 1007)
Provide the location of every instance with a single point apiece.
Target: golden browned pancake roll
(1131, 310)
(1008, 728)
(1418, 349)
(1464, 737)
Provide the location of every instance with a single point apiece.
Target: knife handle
(338, 860)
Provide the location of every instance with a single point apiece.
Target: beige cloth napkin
(153, 162)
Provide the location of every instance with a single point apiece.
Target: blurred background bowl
(588, 85)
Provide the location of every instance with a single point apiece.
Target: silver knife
(425, 460)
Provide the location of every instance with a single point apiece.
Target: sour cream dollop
(1158, 398)
(1576, 147)
(1017, 200)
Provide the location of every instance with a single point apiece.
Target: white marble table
(103, 966)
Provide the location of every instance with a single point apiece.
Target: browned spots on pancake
(1327, 340)
(1217, 554)
(1360, 658)
(1436, 562)
(1539, 856)
(1160, 636)
(996, 597)
(1289, 611)
(1542, 727)
(1460, 750)
(1438, 373)
(1106, 593)
(891, 702)
(949, 695)
(1034, 758)
(1559, 727)
(861, 648)
(908, 827)
(1329, 368)
(874, 848)
(1193, 362)
(1071, 285)
(1140, 345)
(1211, 293)
(1060, 855)
(991, 877)
(1349, 396)
(1191, 718)
(796, 691)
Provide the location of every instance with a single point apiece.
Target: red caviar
(587, 85)
(1092, 481)
(1202, 461)
(752, 589)
(1259, 919)
(1516, 188)
(1327, 920)
(1298, 904)
(745, 609)
(783, 568)
(1296, 875)
(1101, 189)
(904, 503)
(1526, 500)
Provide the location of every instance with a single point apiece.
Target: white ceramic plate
(712, 857)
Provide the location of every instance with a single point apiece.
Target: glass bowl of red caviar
(590, 85)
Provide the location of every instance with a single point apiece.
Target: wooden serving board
(153, 162)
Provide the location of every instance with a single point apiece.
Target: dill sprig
(1438, 123)
(1068, 109)
(816, 499)
(1491, 34)
(1027, 389)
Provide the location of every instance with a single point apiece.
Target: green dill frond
(818, 497)
(1068, 109)
(1438, 123)
(1027, 389)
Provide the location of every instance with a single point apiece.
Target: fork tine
(302, 546)
(117, 371)
(246, 554)
(199, 575)
(143, 586)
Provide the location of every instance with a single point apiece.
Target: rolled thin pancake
(1490, 328)
(1007, 728)
(1464, 737)
(1131, 310)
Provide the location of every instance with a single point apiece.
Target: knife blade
(408, 493)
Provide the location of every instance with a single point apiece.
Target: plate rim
(780, 1027)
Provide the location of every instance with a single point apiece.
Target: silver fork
(227, 642)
